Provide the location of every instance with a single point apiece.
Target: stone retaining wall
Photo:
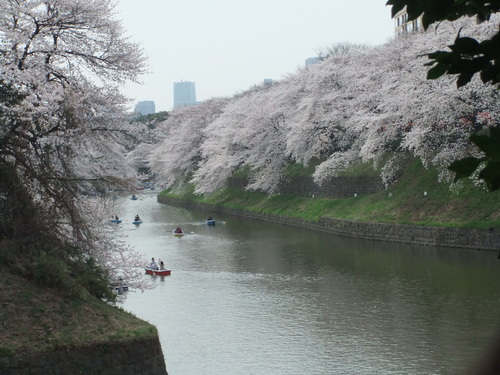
(336, 187)
(131, 358)
(413, 234)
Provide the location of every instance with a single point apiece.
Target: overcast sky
(227, 46)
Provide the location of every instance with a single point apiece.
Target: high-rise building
(145, 108)
(184, 94)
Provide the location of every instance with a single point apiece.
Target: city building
(184, 94)
(312, 60)
(145, 108)
(403, 26)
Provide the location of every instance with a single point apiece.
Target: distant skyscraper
(184, 94)
(312, 60)
(145, 108)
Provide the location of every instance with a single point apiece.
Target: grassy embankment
(35, 319)
(404, 202)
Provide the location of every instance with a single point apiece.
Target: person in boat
(209, 218)
(153, 265)
(178, 230)
(137, 218)
(162, 266)
(116, 218)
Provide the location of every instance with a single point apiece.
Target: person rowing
(153, 265)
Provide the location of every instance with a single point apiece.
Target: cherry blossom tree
(249, 133)
(467, 57)
(144, 138)
(370, 104)
(178, 150)
(63, 126)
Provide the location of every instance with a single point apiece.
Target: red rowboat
(150, 271)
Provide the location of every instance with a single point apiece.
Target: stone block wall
(336, 187)
(135, 357)
(476, 239)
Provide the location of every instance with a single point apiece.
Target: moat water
(251, 297)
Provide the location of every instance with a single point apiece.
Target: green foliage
(467, 58)
(152, 118)
(93, 278)
(62, 321)
(49, 270)
(8, 95)
(360, 169)
(64, 269)
(490, 146)
(296, 169)
(141, 331)
(32, 249)
(243, 171)
(403, 203)
(6, 351)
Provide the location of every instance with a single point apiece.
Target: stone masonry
(476, 239)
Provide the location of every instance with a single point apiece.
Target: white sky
(227, 46)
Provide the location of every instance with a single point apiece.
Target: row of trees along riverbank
(415, 198)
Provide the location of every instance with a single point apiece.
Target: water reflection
(250, 297)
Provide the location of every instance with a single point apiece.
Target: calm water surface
(250, 297)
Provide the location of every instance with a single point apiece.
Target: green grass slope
(416, 198)
(36, 319)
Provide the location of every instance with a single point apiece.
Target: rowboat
(211, 222)
(137, 222)
(177, 234)
(150, 271)
(115, 221)
(118, 286)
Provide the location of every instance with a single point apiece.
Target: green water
(250, 297)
